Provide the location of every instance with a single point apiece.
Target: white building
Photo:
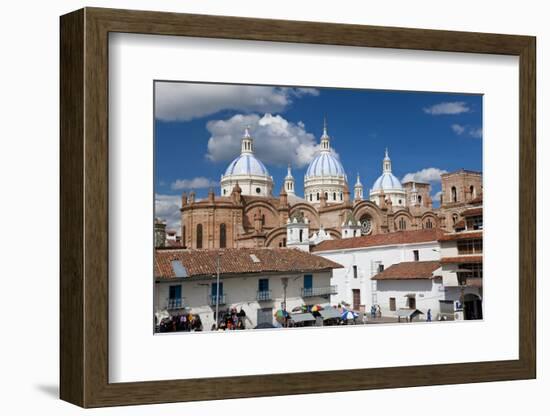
(259, 281)
(365, 257)
(411, 285)
(247, 171)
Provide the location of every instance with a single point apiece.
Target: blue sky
(198, 129)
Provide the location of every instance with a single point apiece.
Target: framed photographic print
(282, 205)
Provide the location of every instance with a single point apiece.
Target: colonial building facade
(256, 281)
(247, 214)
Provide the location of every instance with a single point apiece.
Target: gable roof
(386, 239)
(203, 263)
(409, 270)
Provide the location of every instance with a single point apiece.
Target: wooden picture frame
(84, 207)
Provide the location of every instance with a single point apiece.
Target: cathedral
(248, 214)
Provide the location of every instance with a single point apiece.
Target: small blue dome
(325, 164)
(387, 181)
(246, 164)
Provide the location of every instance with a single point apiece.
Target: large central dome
(246, 164)
(325, 164)
(325, 176)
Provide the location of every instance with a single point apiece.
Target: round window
(366, 225)
(258, 190)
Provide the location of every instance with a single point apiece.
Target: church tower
(289, 182)
(358, 190)
(297, 232)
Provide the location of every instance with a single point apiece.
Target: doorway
(356, 298)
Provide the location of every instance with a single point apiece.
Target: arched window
(472, 191)
(334, 196)
(318, 196)
(284, 242)
(402, 223)
(326, 196)
(453, 194)
(429, 223)
(301, 235)
(223, 236)
(341, 196)
(310, 197)
(455, 218)
(419, 199)
(199, 236)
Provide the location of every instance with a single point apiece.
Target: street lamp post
(285, 284)
(218, 290)
(462, 285)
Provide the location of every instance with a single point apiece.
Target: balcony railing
(263, 295)
(221, 299)
(319, 291)
(174, 303)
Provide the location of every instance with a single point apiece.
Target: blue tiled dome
(325, 164)
(246, 164)
(387, 181)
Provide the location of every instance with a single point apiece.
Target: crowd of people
(181, 322)
(231, 320)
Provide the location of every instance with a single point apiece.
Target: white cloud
(199, 182)
(276, 140)
(167, 207)
(458, 129)
(475, 132)
(455, 107)
(424, 175)
(185, 101)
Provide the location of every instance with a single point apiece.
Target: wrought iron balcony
(263, 295)
(174, 303)
(221, 299)
(319, 291)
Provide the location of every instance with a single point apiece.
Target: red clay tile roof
(239, 261)
(409, 270)
(462, 259)
(472, 212)
(173, 243)
(465, 235)
(386, 239)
